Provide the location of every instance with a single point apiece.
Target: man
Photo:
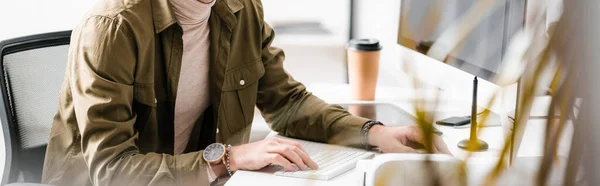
(151, 83)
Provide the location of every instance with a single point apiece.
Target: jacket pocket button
(242, 82)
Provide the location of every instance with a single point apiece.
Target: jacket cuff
(347, 131)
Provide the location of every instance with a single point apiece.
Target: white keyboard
(332, 162)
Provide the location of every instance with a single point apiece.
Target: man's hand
(254, 156)
(397, 139)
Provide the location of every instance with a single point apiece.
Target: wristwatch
(216, 154)
(365, 131)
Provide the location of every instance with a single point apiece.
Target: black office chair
(32, 74)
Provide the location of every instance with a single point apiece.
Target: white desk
(479, 165)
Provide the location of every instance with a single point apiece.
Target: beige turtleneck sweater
(192, 92)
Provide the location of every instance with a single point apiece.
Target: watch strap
(227, 157)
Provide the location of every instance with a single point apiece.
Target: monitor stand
(473, 144)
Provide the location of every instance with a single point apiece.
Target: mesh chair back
(32, 73)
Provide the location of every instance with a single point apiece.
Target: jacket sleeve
(102, 64)
(292, 111)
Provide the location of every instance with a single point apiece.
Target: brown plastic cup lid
(364, 45)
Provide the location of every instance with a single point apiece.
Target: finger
(440, 144)
(280, 160)
(416, 134)
(301, 152)
(434, 148)
(403, 149)
(306, 159)
(290, 152)
(290, 142)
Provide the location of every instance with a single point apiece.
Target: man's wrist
(372, 134)
(233, 166)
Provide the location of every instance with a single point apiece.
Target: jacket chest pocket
(143, 105)
(240, 89)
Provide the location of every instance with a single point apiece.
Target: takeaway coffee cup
(363, 67)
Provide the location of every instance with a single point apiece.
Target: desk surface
(481, 162)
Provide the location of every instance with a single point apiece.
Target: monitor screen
(481, 51)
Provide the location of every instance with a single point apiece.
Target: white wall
(26, 17)
(310, 53)
(333, 14)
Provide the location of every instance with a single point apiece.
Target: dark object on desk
(473, 144)
(388, 114)
(454, 121)
(29, 102)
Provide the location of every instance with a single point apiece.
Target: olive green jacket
(114, 124)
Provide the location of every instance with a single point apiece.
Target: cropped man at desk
(154, 87)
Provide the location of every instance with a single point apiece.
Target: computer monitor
(468, 35)
(481, 51)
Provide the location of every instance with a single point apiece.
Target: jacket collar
(163, 15)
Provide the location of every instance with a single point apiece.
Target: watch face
(214, 152)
